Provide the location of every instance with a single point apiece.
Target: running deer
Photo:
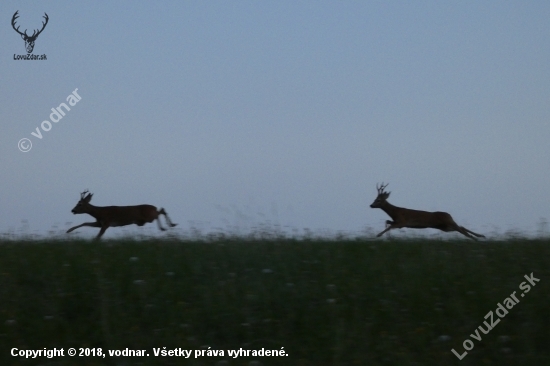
(415, 219)
(117, 215)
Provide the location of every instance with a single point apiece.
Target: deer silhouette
(29, 40)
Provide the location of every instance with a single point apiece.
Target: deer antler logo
(29, 40)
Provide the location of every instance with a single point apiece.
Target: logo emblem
(29, 40)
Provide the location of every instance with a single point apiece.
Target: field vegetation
(325, 301)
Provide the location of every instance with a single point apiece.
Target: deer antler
(43, 26)
(13, 19)
(34, 34)
(83, 194)
(381, 188)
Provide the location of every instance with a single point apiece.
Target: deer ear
(88, 198)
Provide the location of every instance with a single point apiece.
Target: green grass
(326, 301)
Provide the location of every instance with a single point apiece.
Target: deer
(112, 216)
(29, 40)
(415, 219)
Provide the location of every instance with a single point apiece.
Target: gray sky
(234, 114)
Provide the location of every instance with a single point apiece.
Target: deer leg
(159, 224)
(162, 212)
(471, 232)
(464, 232)
(382, 233)
(92, 224)
(101, 232)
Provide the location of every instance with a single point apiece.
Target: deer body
(416, 219)
(113, 216)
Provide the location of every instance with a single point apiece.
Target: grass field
(324, 301)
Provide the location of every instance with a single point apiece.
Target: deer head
(29, 40)
(382, 196)
(82, 205)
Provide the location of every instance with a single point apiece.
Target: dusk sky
(237, 114)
